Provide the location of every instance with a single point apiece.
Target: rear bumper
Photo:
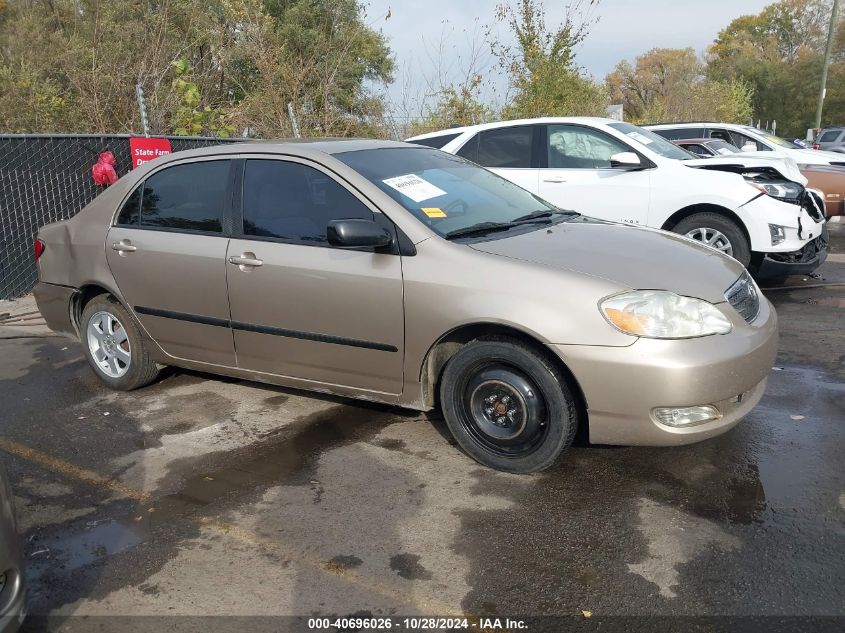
(54, 303)
(800, 262)
(623, 385)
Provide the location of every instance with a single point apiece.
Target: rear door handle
(123, 247)
(554, 179)
(246, 261)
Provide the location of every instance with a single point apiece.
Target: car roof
(515, 122)
(301, 147)
(695, 124)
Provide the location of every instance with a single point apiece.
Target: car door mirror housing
(749, 147)
(625, 159)
(355, 233)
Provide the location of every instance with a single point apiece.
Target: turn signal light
(686, 416)
(39, 249)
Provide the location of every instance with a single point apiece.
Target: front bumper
(800, 262)
(622, 385)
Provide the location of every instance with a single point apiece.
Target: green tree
(206, 66)
(669, 84)
(541, 65)
(778, 53)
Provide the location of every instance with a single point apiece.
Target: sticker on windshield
(414, 187)
(434, 212)
(642, 138)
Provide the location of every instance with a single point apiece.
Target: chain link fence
(44, 178)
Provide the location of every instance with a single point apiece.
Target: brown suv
(401, 274)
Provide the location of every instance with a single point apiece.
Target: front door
(167, 253)
(579, 176)
(301, 308)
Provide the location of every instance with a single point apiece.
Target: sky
(625, 29)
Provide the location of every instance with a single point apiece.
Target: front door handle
(246, 261)
(556, 179)
(123, 247)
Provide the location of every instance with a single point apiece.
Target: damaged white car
(756, 210)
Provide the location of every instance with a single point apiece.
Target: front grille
(744, 297)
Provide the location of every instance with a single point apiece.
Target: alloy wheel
(108, 343)
(713, 238)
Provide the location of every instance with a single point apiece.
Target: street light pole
(831, 34)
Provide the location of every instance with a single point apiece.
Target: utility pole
(831, 34)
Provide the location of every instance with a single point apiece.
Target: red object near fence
(103, 170)
(144, 149)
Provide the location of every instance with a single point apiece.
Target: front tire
(719, 232)
(113, 345)
(507, 406)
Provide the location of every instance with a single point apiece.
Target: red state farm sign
(144, 149)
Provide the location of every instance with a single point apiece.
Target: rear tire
(507, 406)
(721, 233)
(114, 346)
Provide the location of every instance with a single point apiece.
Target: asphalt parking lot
(206, 496)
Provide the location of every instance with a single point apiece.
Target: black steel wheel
(508, 407)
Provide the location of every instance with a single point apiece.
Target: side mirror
(357, 234)
(749, 147)
(625, 159)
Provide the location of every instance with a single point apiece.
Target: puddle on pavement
(68, 552)
(272, 463)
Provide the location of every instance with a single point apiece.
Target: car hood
(637, 258)
(741, 163)
(815, 157)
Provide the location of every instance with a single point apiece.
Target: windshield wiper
(479, 229)
(542, 214)
(482, 228)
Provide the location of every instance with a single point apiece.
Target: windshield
(446, 192)
(652, 141)
(771, 138)
(723, 148)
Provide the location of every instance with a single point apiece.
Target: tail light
(816, 146)
(39, 248)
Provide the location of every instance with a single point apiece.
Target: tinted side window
(435, 141)
(292, 201)
(741, 139)
(695, 148)
(506, 147)
(470, 149)
(679, 133)
(189, 197)
(576, 147)
(829, 137)
(130, 212)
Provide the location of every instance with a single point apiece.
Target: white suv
(748, 139)
(761, 214)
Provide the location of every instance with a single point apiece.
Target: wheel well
(684, 213)
(83, 297)
(449, 344)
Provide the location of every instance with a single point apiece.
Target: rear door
(511, 152)
(167, 252)
(300, 307)
(579, 176)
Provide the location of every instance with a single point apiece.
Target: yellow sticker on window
(434, 212)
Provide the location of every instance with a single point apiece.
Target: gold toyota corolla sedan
(401, 274)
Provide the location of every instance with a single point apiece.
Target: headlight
(785, 190)
(662, 314)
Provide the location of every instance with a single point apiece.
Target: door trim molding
(265, 329)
